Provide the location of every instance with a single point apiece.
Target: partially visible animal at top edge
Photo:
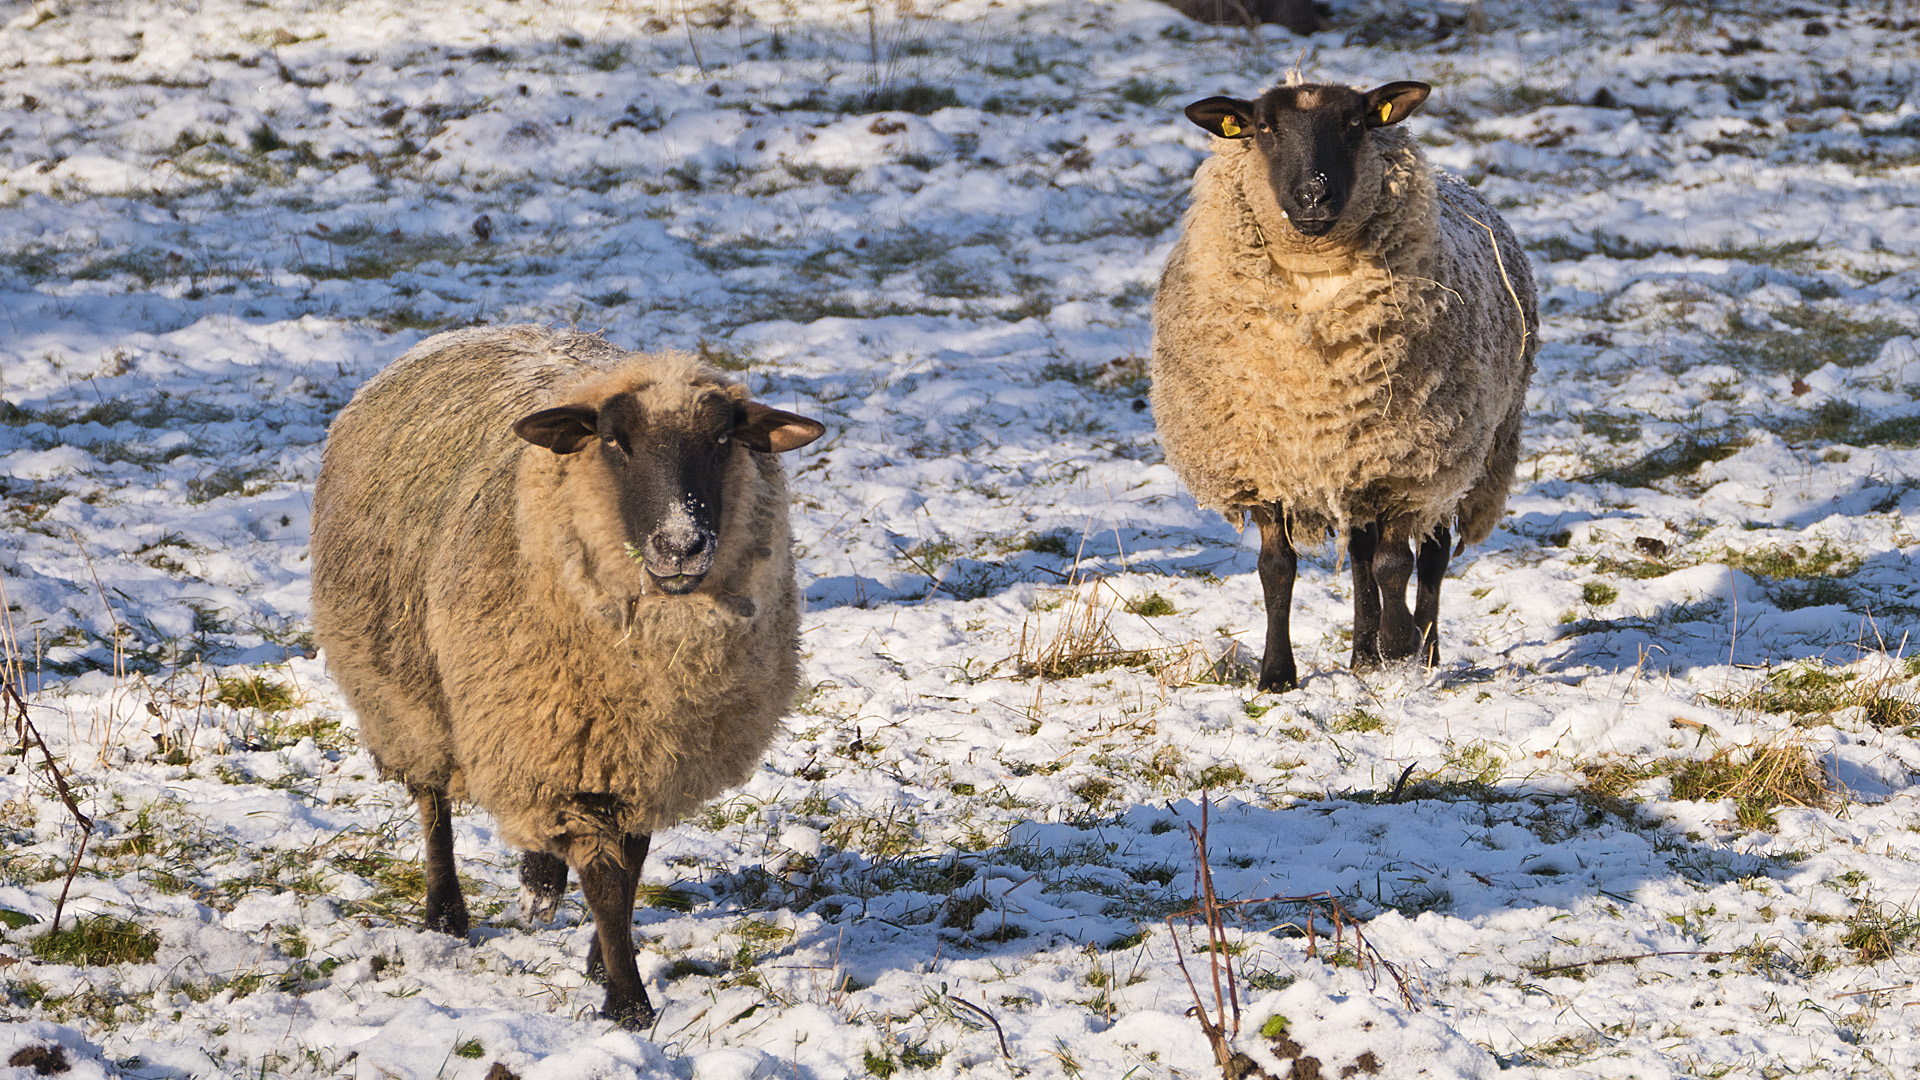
(1342, 341)
(556, 578)
(1300, 16)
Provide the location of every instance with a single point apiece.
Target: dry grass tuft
(1078, 639)
(1813, 693)
(1759, 779)
(1879, 931)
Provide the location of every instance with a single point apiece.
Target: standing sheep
(555, 578)
(1342, 340)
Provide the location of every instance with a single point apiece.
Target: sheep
(556, 579)
(1342, 341)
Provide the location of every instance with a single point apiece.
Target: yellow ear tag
(1228, 127)
(1386, 113)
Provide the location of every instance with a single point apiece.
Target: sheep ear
(1394, 102)
(564, 430)
(1229, 118)
(772, 431)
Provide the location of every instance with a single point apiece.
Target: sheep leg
(609, 883)
(1393, 569)
(1362, 543)
(446, 909)
(543, 881)
(1430, 568)
(1278, 565)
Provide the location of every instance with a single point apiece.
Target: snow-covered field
(1661, 817)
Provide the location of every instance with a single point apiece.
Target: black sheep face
(670, 469)
(1311, 136)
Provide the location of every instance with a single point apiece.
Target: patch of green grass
(1812, 689)
(916, 97)
(254, 691)
(1900, 432)
(1814, 336)
(1146, 92)
(952, 281)
(469, 1049)
(1359, 720)
(1220, 776)
(14, 920)
(1599, 593)
(1636, 569)
(1615, 429)
(98, 940)
(1877, 931)
(1150, 606)
(1095, 791)
(1833, 420)
(1793, 562)
(1682, 457)
(364, 254)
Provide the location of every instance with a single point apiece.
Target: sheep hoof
(448, 918)
(632, 1015)
(538, 908)
(1277, 682)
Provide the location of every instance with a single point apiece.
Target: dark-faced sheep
(1342, 341)
(555, 578)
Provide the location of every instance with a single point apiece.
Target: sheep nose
(678, 545)
(1311, 191)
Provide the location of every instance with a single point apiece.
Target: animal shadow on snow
(1059, 556)
(1463, 851)
(1823, 609)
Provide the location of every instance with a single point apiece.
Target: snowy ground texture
(1661, 818)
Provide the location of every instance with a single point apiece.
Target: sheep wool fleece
(478, 608)
(1375, 373)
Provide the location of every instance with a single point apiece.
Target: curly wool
(1375, 373)
(480, 612)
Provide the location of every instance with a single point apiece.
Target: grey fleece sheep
(555, 578)
(1342, 340)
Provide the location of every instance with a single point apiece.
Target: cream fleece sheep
(477, 603)
(1378, 372)
(1374, 374)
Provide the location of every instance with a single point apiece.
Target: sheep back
(1376, 374)
(482, 617)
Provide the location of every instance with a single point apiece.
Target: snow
(936, 227)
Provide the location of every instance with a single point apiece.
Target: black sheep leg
(1393, 569)
(1278, 565)
(543, 881)
(609, 883)
(445, 909)
(1362, 543)
(1431, 566)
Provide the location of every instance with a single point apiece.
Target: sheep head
(669, 465)
(1313, 138)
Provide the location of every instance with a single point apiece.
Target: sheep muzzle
(677, 556)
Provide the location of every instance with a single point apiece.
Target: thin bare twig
(23, 723)
(1873, 990)
(997, 1030)
(1708, 953)
(1209, 911)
